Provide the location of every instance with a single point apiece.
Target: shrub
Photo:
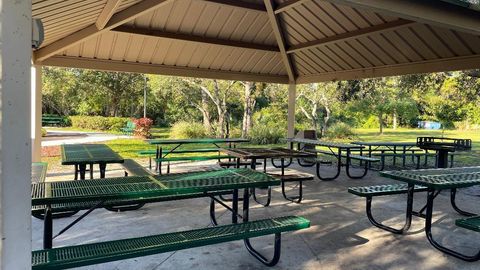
(261, 134)
(187, 130)
(142, 127)
(44, 132)
(340, 130)
(99, 122)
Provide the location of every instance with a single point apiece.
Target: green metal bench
(52, 120)
(153, 152)
(382, 190)
(129, 128)
(472, 223)
(191, 158)
(90, 254)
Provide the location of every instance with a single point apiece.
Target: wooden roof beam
(277, 31)
(196, 39)
(389, 26)
(239, 4)
(91, 31)
(122, 66)
(284, 6)
(107, 13)
(436, 13)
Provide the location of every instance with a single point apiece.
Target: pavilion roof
(260, 40)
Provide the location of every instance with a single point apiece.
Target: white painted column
(15, 148)
(292, 96)
(36, 113)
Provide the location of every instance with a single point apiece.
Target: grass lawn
(129, 148)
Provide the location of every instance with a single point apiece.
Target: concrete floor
(340, 236)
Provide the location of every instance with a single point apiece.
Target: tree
(317, 100)
(248, 106)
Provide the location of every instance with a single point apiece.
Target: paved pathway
(59, 137)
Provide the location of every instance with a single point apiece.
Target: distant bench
(52, 120)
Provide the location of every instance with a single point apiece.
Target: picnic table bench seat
(131, 167)
(382, 190)
(187, 158)
(53, 120)
(288, 176)
(472, 223)
(95, 253)
(153, 152)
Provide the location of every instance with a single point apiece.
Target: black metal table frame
(48, 224)
(159, 151)
(338, 155)
(431, 195)
(392, 148)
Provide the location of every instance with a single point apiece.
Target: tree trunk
(205, 113)
(395, 119)
(326, 118)
(248, 108)
(380, 120)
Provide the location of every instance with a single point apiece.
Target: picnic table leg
(76, 172)
(235, 206)
(82, 168)
(102, 166)
(347, 168)
(248, 245)
(91, 170)
(408, 215)
(428, 232)
(453, 193)
(48, 228)
(404, 156)
(269, 189)
(394, 155)
(339, 167)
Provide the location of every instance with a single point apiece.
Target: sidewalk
(59, 137)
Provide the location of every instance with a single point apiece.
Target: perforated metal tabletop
(73, 154)
(438, 178)
(148, 186)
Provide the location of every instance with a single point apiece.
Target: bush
(261, 134)
(99, 122)
(187, 130)
(142, 127)
(340, 130)
(269, 126)
(44, 132)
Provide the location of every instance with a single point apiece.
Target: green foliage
(269, 125)
(340, 131)
(188, 130)
(99, 122)
(44, 132)
(371, 122)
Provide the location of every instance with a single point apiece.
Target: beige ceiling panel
(105, 45)
(261, 62)
(337, 59)
(307, 21)
(376, 50)
(365, 52)
(271, 64)
(134, 46)
(405, 49)
(161, 51)
(472, 41)
(173, 53)
(327, 58)
(339, 52)
(189, 49)
(417, 43)
(251, 61)
(389, 47)
(235, 54)
(437, 45)
(305, 65)
(453, 42)
(198, 55)
(354, 16)
(209, 57)
(120, 47)
(318, 58)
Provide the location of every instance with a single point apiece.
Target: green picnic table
(80, 155)
(98, 192)
(160, 155)
(337, 150)
(436, 180)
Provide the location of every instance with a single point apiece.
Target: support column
(292, 96)
(15, 148)
(36, 113)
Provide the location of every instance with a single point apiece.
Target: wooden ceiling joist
(118, 19)
(239, 4)
(437, 13)
(121, 66)
(107, 13)
(389, 26)
(190, 38)
(284, 6)
(277, 31)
